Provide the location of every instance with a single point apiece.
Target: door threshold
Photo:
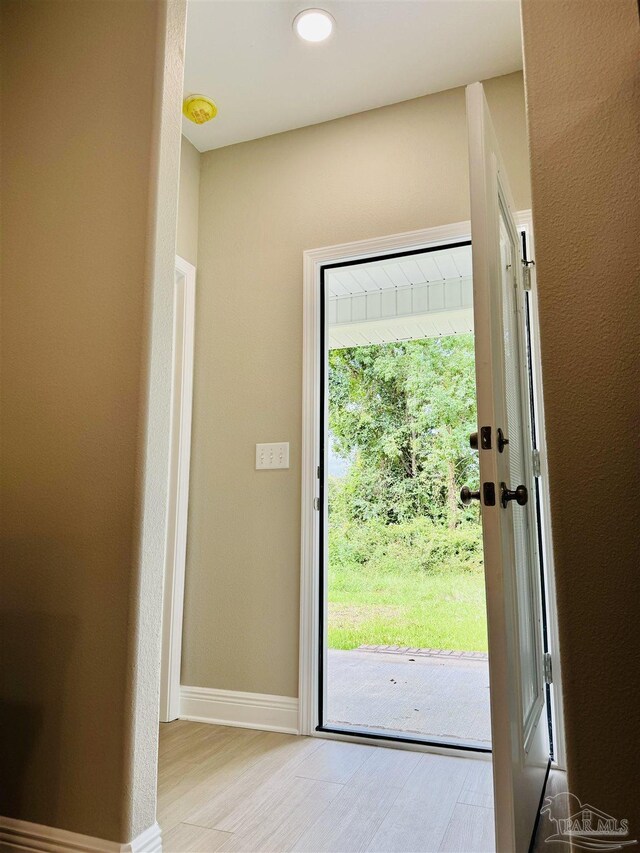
(402, 740)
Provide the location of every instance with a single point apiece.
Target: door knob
(466, 495)
(520, 495)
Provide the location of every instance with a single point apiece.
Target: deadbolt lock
(485, 439)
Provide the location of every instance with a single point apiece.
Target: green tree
(402, 413)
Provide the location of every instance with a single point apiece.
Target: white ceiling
(245, 56)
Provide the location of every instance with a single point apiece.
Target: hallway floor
(443, 694)
(223, 788)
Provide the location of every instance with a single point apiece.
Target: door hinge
(547, 668)
(535, 461)
(526, 274)
(316, 504)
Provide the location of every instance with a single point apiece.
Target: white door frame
(314, 259)
(524, 220)
(178, 489)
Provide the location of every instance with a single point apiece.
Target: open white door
(518, 714)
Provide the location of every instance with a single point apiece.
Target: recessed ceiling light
(313, 24)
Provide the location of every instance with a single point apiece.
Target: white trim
(524, 220)
(246, 710)
(23, 835)
(309, 651)
(178, 489)
(309, 609)
(149, 841)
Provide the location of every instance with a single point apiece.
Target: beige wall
(188, 202)
(582, 59)
(262, 203)
(81, 575)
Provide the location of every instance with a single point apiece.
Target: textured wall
(79, 635)
(189, 196)
(581, 67)
(150, 525)
(262, 203)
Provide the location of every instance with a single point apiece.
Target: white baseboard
(21, 835)
(149, 841)
(246, 710)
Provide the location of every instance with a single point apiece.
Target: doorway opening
(403, 636)
(311, 195)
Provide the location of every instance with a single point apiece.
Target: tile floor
(223, 788)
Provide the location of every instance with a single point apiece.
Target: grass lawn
(406, 608)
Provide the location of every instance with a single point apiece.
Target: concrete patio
(426, 692)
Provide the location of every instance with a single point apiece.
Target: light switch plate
(270, 456)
